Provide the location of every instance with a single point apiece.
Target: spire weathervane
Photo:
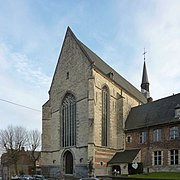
(144, 53)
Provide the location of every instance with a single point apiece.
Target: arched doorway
(116, 170)
(68, 162)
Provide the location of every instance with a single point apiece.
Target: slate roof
(145, 76)
(106, 69)
(126, 156)
(154, 113)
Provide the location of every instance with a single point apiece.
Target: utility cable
(10, 102)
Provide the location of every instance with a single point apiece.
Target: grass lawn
(162, 175)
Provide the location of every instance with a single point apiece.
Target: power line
(10, 102)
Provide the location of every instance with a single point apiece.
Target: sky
(32, 33)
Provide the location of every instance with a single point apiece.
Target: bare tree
(34, 144)
(12, 140)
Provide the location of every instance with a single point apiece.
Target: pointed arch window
(105, 116)
(69, 121)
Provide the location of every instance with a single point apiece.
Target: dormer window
(111, 75)
(177, 111)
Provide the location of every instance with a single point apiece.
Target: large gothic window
(105, 116)
(69, 121)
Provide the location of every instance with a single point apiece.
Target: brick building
(154, 128)
(25, 163)
(86, 122)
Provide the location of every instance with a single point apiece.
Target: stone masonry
(76, 74)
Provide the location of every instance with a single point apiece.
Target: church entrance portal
(68, 162)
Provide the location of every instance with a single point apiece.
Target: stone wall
(120, 105)
(75, 74)
(71, 76)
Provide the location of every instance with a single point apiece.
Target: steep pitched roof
(145, 76)
(106, 69)
(154, 113)
(126, 156)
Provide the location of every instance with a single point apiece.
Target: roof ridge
(79, 43)
(104, 67)
(158, 100)
(101, 65)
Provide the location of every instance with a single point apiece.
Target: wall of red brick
(150, 146)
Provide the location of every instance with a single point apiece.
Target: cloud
(29, 72)
(25, 84)
(3, 62)
(31, 34)
(161, 34)
(154, 25)
(29, 48)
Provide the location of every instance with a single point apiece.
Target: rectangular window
(174, 132)
(142, 137)
(174, 157)
(157, 135)
(157, 158)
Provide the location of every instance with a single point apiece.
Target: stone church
(84, 122)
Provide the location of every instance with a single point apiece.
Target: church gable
(75, 54)
(72, 69)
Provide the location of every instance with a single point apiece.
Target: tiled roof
(153, 113)
(126, 156)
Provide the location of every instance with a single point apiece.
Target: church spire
(145, 82)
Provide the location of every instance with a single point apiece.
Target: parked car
(89, 178)
(39, 177)
(14, 177)
(25, 177)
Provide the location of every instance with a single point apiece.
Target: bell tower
(145, 82)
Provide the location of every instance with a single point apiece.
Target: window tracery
(105, 115)
(69, 121)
